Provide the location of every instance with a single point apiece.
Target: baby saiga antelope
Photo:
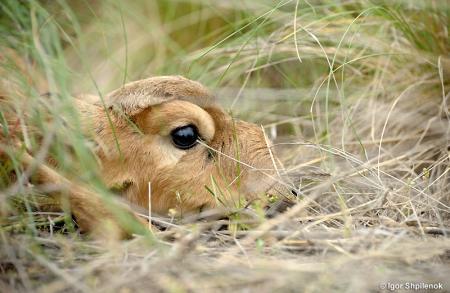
(168, 132)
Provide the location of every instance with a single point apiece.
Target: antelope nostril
(202, 208)
(294, 192)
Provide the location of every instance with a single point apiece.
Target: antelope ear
(134, 97)
(89, 111)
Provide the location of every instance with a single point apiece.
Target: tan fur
(142, 115)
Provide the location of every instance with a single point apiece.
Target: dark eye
(185, 137)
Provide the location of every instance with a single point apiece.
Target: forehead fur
(133, 97)
(163, 118)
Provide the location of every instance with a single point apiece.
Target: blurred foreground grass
(354, 95)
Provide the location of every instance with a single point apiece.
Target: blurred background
(320, 53)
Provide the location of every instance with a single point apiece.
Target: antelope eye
(185, 137)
